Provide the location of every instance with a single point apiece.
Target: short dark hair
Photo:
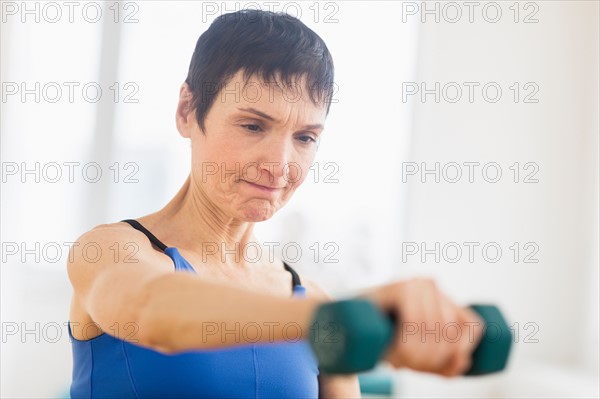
(263, 43)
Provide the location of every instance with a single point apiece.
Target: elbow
(151, 337)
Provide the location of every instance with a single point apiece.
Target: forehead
(274, 96)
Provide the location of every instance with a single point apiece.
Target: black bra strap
(136, 225)
(295, 277)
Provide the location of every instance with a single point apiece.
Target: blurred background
(462, 145)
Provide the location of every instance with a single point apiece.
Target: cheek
(295, 173)
(221, 161)
(216, 171)
(298, 172)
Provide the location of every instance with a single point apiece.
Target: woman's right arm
(131, 291)
(173, 312)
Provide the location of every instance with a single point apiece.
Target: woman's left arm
(342, 386)
(332, 386)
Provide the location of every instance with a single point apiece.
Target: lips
(264, 186)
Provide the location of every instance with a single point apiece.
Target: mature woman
(175, 307)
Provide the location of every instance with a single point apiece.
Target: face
(259, 143)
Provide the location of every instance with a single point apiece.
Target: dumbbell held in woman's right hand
(354, 335)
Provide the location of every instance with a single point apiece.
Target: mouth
(264, 188)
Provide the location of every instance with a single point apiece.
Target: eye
(307, 139)
(252, 128)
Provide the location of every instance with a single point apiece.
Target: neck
(190, 221)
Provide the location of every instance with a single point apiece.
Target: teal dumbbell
(351, 336)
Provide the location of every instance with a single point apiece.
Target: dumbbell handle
(351, 336)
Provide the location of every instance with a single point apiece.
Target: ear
(185, 117)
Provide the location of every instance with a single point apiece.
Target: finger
(393, 354)
(474, 327)
(466, 345)
(458, 365)
(450, 329)
(392, 300)
(424, 307)
(463, 338)
(435, 352)
(415, 305)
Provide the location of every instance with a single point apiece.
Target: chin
(258, 214)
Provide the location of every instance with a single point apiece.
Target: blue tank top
(108, 367)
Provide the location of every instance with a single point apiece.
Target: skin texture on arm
(169, 311)
(333, 386)
(182, 313)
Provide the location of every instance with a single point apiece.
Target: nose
(276, 169)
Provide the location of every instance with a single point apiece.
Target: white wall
(559, 213)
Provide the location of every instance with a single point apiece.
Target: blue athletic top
(108, 367)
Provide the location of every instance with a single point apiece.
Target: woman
(253, 106)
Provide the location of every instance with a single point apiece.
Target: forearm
(182, 312)
(339, 386)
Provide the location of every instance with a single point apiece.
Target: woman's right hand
(433, 334)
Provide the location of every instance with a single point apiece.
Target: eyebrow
(270, 118)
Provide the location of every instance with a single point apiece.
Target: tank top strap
(295, 277)
(297, 287)
(138, 226)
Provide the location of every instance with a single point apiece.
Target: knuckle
(427, 281)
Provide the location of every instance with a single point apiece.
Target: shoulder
(110, 232)
(94, 245)
(107, 245)
(315, 290)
